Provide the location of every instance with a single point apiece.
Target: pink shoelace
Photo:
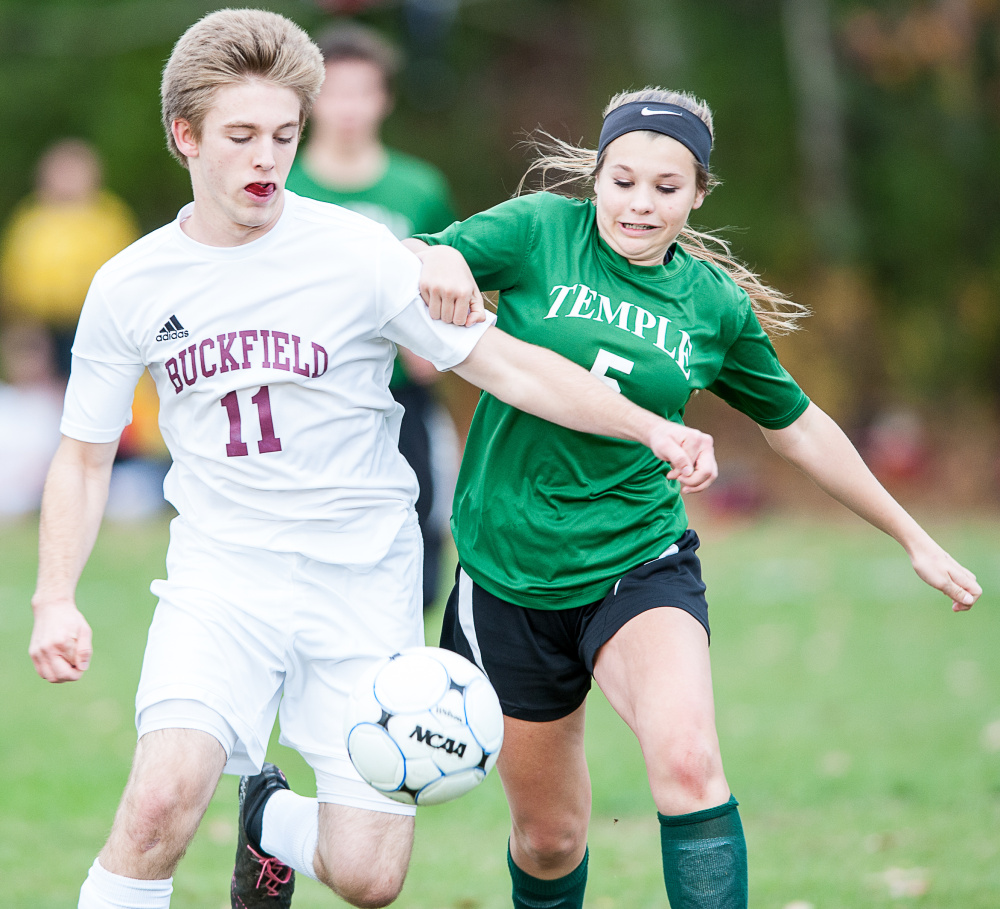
(273, 873)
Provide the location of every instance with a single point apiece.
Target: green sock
(705, 858)
(562, 893)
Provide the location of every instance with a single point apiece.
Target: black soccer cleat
(260, 881)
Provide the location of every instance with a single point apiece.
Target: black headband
(669, 119)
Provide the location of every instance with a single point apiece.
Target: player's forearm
(551, 387)
(820, 449)
(76, 492)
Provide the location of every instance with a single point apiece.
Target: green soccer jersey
(410, 197)
(550, 518)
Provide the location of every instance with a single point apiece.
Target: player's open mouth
(642, 227)
(261, 190)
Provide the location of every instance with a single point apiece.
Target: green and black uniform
(546, 517)
(586, 531)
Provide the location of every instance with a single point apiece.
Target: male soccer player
(268, 323)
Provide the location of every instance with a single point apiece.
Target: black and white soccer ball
(423, 726)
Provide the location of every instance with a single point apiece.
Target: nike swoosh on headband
(691, 131)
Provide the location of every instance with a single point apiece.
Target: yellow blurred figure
(57, 239)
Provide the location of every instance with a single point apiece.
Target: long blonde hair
(559, 164)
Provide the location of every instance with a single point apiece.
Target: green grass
(859, 718)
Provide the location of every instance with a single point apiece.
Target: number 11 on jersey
(236, 447)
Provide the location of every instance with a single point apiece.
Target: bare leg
(174, 774)
(544, 773)
(657, 675)
(363, 855)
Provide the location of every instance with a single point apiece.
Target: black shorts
(541, 661)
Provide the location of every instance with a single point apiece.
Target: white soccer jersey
(272, 362)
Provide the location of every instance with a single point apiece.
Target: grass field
(860, 724)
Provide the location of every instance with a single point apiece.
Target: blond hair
(231, 46)
(559, 164)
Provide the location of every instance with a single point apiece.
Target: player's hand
(690, 453)
(60, 644)
(934, 566)
(448, 288)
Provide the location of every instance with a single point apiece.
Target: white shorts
(241, 635)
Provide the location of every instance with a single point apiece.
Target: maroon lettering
(225, 346)
(268, 440)
(245, 337)
(297, 369)
(264, 335)
(174, 375)
(205, 371)
(182, 353)
(265, 348)
(280, 339)
(317, 350)
(235, 447)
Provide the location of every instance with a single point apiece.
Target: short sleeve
(495, 242)
(753, 381)
(444, 344)
(98, 404)
(98, 333)
(104, 373)
(403, 316)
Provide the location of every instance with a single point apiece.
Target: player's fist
(60, 644)
(690, 453)
(448, 287)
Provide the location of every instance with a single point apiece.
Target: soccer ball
(423, 726)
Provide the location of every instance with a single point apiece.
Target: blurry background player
(57, 239)
(344, 161)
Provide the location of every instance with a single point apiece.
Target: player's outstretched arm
(549, 386)
(76, 491)
(447, 285)
(819, 448)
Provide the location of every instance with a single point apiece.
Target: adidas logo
(172, 329)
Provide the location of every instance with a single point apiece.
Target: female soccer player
(576, 560)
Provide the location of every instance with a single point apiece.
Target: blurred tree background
(858, 144)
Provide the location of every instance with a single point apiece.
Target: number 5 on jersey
(236, 447)
(607, 360)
